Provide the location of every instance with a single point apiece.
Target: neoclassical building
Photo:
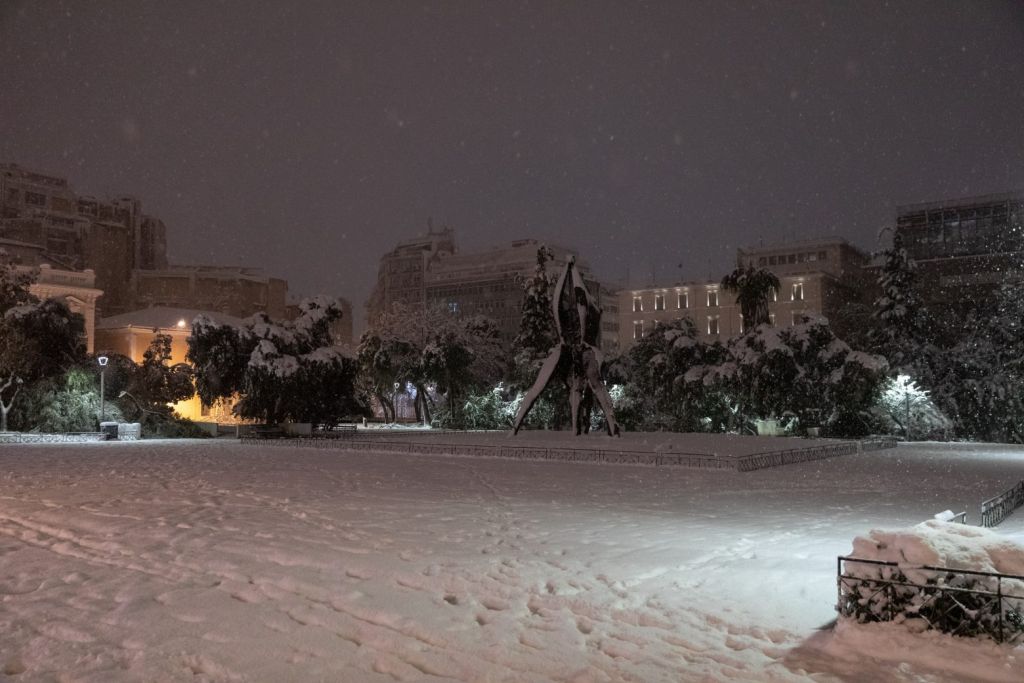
(53, 281)
(816, 277)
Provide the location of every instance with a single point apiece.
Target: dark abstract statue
(577, 357)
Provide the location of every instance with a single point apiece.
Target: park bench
(268, 432)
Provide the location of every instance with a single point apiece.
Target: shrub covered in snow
(951, 599)
(803, 371)
(282, 370)
(905, 408)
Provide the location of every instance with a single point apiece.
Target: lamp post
(102, 360)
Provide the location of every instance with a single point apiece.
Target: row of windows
(784, 259)
(713, 325)
(682, 299)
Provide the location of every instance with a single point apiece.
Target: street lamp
(102, 360)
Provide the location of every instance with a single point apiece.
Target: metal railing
(760, 461)
(877, 443)
(996, 509)
(955, 601)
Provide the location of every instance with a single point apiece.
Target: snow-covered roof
(162, 317)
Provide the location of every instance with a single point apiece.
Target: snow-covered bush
(906, 409)
(906, 592)
(803, 372)
(281, 370)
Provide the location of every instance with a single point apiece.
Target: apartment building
(430, 271)
(110, 237)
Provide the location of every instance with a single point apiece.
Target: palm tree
(753, 290)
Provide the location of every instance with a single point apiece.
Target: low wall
(746, 463)
(33, 437)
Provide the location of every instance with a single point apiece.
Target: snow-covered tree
(979, 380)
(906, 408)
(898, 310)
(39, 342)
(425, 350)
(537, 333)
(280, 370)
(656, 393)
(753, 289)
(156, 380)
(803, 371)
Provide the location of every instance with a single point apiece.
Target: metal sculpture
(577, 357)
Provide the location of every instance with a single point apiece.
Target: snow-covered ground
(192, 561)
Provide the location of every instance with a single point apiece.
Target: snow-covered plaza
(217, 561)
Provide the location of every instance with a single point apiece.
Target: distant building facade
(816, 278)
(430, 271)
(964, 248)
(111, 237)
(232, 290)
(713, 312)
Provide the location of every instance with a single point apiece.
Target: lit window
(659, 302)
(638, 304)
(682, 300)
(798, 291)
(771, 319)
(638, 329)
(775, 294)
(713, 324)
(453, 306)
(712, 298)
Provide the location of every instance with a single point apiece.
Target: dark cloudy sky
(309, 139)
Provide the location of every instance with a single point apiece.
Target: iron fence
(877, 443)
(995, 510)
(956, 601)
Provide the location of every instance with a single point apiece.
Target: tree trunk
(421, 398)
(6, 407)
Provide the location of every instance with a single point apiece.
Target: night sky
(654, 137)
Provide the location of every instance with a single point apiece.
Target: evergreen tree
(537, 334)
(279, 370)
(159, 382)
(898, 309)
